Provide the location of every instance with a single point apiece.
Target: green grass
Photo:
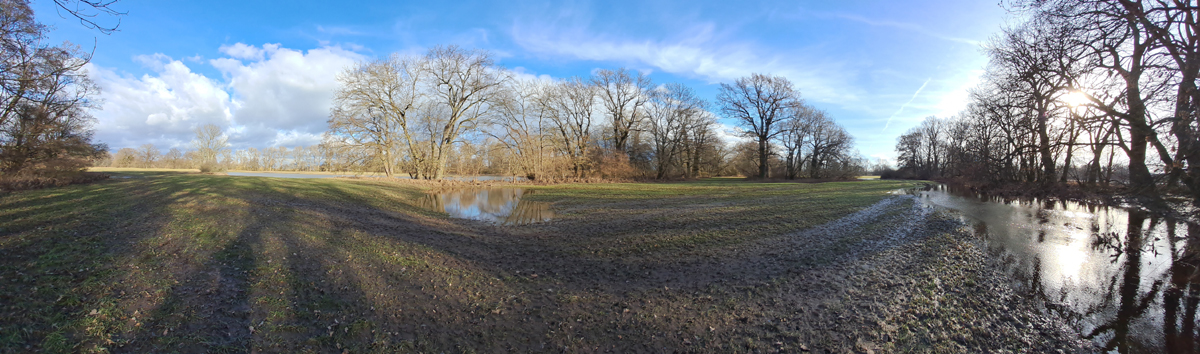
(161, 261)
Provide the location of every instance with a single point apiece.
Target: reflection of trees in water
(1141, 273)
(1179, 327)
(1179, 297)
(529, 212)
(494, 204)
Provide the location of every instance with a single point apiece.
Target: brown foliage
(52, 173)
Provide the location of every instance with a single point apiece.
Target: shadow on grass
(195, 263)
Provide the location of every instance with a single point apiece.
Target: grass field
(163, 261)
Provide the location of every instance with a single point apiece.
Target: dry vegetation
(171, 262)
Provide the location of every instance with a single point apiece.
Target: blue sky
(265, 69)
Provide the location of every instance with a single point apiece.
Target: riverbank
(165, 261)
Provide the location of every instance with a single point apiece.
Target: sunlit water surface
(498, 205)
(1125, 279)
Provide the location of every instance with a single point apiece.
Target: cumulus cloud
(287, 89)
(157, 108)
(267, 96)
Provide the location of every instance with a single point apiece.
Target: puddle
(498, 205)
(1127, 280)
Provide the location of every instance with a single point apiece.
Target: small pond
(497, 205)
(1125, 279)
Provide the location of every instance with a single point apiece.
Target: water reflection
(1126, 279)
(499, 205)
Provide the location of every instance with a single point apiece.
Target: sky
(266, 70)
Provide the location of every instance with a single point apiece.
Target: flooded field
(1125, 279)
(498, 205)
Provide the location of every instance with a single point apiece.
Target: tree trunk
(1044, 146)
(763, 169)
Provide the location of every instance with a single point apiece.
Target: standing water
(498, 205)
(1125, 279)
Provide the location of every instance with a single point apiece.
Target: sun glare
(1075, 99)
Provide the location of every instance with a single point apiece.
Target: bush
(52, 173)
(27, 182)
(211, 167)
(609, 165)
(889, 173)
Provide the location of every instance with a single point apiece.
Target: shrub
(211, 167)
(52, 173)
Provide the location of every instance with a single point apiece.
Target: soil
(894, 277)
(298, 274)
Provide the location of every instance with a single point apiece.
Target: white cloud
(730, 135)
(702, 54)
(267, 96)
(287, 89)
(245, 52)
(161, 106)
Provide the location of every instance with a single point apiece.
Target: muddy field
(168, 262)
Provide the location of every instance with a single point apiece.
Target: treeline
(407, 115)
(455, 112)
(413, 114)
(1084, 91)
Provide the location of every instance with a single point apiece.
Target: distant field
(134, 169)
(164, 261)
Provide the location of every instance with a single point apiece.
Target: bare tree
(760, 104)
(623, 95)
(372, 111)
(210, 144)
(797, 132)
(463, 84)
(570, 106)
(148, 155)
(125, 157)
(520, 125)
(673, 112)
(173, 158)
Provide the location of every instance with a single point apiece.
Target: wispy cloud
(905, 105)
(702, 54)
(900, 25)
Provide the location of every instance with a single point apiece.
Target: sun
(1075, 99)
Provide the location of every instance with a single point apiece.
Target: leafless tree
(570, 106)
(87, 11)
(520, 125)
(796, 134)
(760, 103)
(44, 95)
(674, 111)
(210, 144)
(463, 85)
(148, 155)
(373, 109)
(173, 158)
(623, 94)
